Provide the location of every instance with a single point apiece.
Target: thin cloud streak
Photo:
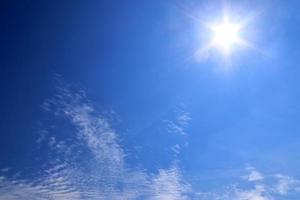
(109, 177)
(91, 164)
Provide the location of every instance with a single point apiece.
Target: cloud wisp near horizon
(91, 164)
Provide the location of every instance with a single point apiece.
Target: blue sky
(122, 100)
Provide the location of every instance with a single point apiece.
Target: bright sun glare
(226, 35)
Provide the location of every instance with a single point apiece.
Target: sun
(226, 35)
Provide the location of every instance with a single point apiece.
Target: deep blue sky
(95, 91)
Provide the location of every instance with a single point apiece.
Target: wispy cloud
(55, 183)
(235, 193)
(286, 184)
(258, 187)
(168, 185)
(258, 193)
(180, 123)
(253, 175)
(90, 163)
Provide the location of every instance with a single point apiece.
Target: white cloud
(253, 175)
(259, 193)
(184, 118)
(235, 193)
(104, 172)
(286, 184)
(259, 187)
(108, 176)
(54, 185)
(173, 127)
(92, 128)
(168, 185)
(180, 123)
(176, 149)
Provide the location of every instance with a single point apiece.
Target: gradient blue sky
(110, 100)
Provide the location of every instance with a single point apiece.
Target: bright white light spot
(226, 35)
